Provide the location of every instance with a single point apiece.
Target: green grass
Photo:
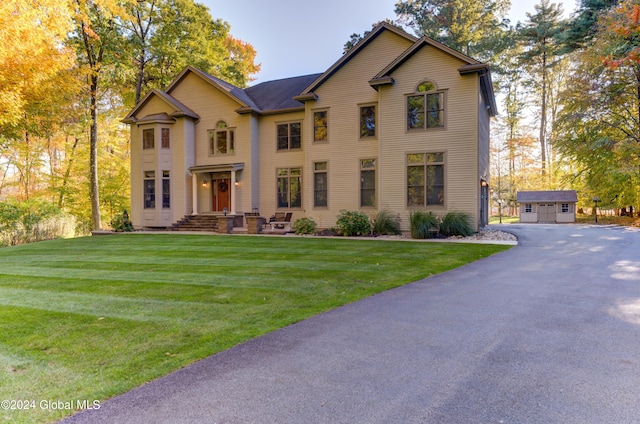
(89, 318)
(505, 220)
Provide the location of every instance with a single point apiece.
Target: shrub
(31, 221)
(456, 224)
(385, 223)
(122, 223)
(304, 226)
(353, 223)
(422, 224)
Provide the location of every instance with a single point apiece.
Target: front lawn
(86, 319)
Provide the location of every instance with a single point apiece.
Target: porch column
(233, 192)
(194, 194)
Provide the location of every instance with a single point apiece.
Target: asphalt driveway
(547, 332)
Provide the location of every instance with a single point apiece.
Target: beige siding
(272, 159)
(342, 95)
(458, 139)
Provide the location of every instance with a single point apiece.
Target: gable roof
(179, 111)
(471, 66)
(568, 196)
(307, 93)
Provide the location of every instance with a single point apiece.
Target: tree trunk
(93, 156)
(67, 173)
(543, 115)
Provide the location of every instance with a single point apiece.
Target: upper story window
(321, 126)
(367, 121)
(289, 136)
(222, 140)
(148, 141)
(166, 138)
(425, 109)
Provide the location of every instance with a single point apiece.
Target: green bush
(385, 223)
(121, 223)
(422, 224)
(30, 221)
(456, 224)
(305, 226)
(353, 223)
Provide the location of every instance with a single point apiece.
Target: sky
(300, 37)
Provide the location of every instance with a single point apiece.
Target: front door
(221, 194)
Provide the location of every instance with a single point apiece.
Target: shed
(548, 206)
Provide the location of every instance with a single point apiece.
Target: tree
(469, 26)
(539, 37)
(167, 35)
(580, 32)
(99, 42)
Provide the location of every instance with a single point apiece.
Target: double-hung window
(148, 140)
(166, 138)
(367, 183)
(222, 140)
(320, 188)
(166, 189)
(425, 179)
(425, 109)
(367, 121)
(321, 125)
(149, 189)
(289, 136)
(289, 183)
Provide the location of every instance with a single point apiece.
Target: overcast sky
(295, 37)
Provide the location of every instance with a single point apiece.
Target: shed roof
(547, 196)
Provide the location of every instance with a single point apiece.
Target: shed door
(547, 212)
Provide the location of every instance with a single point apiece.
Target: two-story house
(397, 123)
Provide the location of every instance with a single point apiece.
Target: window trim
(361, 169)
(313, 119)
(315, 190)
(289, 148)
(375, 121)
(230, 139)
(164, 130)
(151, 131)
(288, 177)
(425, 200)
(149, 176)
(425, 110)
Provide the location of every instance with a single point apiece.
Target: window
(166, 190)
(320, 126)
(289, 136)
(564, 207)
(149, 189)
(148, 141)
(367, 121)
(222, 140)
(289, 187)
(165, 142)
(425, 179)
(528, 208)
(368, 183)
(320, 185)
(425, 109)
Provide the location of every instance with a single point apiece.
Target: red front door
(221, 194)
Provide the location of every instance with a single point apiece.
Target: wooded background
(569, 92)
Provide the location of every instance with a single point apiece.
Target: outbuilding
(548, 206)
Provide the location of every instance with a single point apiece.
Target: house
(548, 206)
(398, 123)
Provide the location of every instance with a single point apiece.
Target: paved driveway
(548, 332)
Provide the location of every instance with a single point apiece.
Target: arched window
(425, 109)
(222, 139)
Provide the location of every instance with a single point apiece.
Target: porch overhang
(226, 167)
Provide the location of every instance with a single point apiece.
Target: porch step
(196, 223)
